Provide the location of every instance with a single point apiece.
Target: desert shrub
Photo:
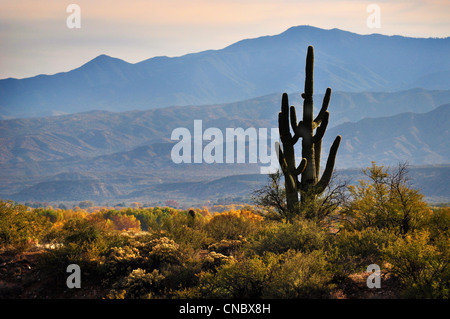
(245, 278)
(385, 201)
(196, 238)
(144, 251)
(52, 215)
(422, 266)
(272, 197)
(139, 284)
(228, 246)
(19, 226)
(164, 251)
(300, 234)
(185, 276)
(300, 275)
(178, 264)
(85, 230)
(85, 204)
(121, 260)
(211, 260)
(290, 275)
(185, 229)
(233, 224)
(352, 251)
(437, 223)
(320, 208)
(126, 222)
(84, 241)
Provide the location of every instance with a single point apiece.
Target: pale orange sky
(34, 38)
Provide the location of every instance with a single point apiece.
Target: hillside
(148, 171)
(247, 69)
(430, 180)
(420, 138)
(99, 133)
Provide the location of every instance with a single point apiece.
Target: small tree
(86, 204)
(19, 226)
(272, 196)
(385, 201)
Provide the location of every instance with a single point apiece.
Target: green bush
(138, 285)
(422, 266)
(236, 279)
(385, 201)
(228, 246)
(20, 227)
(169, 253)
(300, 275)
(300, 234)
(352, 251)
(83, 241)
(437, 223)
(233, 224)
(53, 216)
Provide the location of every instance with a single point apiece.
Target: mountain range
(98, 133)
(103, 131)
(247, 69)
(47, 162)
(416, 138)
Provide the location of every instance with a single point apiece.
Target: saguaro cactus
(310, 185)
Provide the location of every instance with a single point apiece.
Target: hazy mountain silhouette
(250, 68)
(147, 171)
(100, 133)
(416, 138)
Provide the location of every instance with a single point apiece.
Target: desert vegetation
(251, 252)
(306, 236)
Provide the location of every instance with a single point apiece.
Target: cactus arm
(326, 177)
(285, 134)
(317, 154)
(322, 128)
(323, 110)
(301, 167)
(289, 180)
(281, 158)
(317, 140)
(290, 184)
(294, 123)
(296, 127)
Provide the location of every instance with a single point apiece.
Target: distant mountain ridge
(247, 69)
(98, 133)
(419, 138)
(430, 180)
(147, 171)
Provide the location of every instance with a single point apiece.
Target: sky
(42, 37)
